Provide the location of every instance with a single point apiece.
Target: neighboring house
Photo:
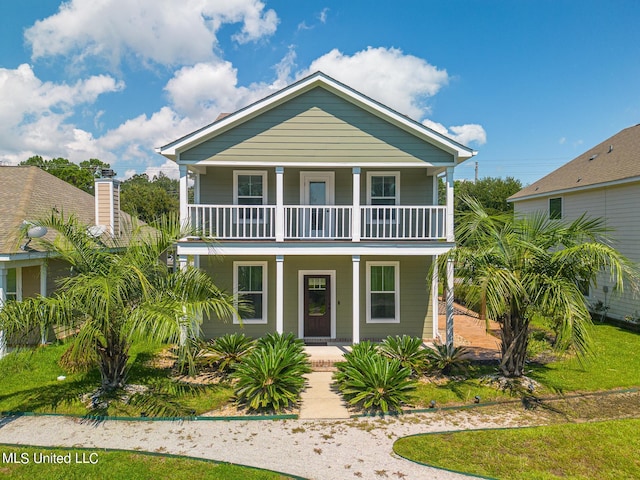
(323, 207)
(603, 182)
(28, 194)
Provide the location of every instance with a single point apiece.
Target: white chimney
(107, 194)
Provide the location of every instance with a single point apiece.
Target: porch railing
(234, 222)
(329, 222)
(403, 223)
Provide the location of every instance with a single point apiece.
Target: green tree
(81, 176)
(149, 199)
(115, 299)
(490, 192)
(533, 265)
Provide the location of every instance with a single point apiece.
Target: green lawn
(602, 450)
(613, 364)
(28, 383)
(118, 465)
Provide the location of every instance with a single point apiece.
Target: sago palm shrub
(375, 382)
(446, 359)
(228, 350)
(271, 376)
(407, 350)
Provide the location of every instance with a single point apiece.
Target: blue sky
(529, 84)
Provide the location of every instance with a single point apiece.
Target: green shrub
(271, 376)
(374, 382)
(407, 350)
(278, 340)
(446, 359)
(228, 350)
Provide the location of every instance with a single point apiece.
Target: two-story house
(320, 205)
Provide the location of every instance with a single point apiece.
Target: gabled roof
(318, 79)
(30, 193)
(616, 160)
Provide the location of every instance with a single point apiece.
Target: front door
(317, 306)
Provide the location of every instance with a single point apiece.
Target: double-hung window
(383, 292)
(250, 284)
(250, 189)
(12, 284)
(383, 189)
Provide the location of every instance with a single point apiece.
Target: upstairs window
(383, 188)
(555, 208)
(250, 188)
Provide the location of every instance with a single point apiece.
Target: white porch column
(183, 262)
(356, 216)
(3, 298)
(280, 293)
(449, 222)
(279, 204)
(43, 292)
(184, 195)
(434, 296)
(450, 302)
(355, 261)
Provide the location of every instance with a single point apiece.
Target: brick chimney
(107, 193)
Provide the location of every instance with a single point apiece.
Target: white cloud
(161, 31)
(403, 82)
(322, 16)
(464, 134)
(34, 114)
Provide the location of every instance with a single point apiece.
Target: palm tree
(120, 291)
(534, 265)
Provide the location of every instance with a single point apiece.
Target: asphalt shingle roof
(30, 193)
(615, 159)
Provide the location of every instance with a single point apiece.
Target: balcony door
(317, 192)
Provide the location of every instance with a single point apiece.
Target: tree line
(143, 197)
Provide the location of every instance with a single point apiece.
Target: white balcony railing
(234, 222)
(403, 223)
(330, 222)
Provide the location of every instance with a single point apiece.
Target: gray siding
(415, 304)
(617, 205)
(321, 126)
(216, 186)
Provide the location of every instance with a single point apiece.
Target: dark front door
(317, 306)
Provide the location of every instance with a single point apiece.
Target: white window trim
(329, 177)
(383, 174)
(260, 321)
(18, 292)
(397, 291)
(262, 173)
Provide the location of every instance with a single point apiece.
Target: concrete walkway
(320, 401)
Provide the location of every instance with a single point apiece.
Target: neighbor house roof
(29, 193)
(616, 160)
(318, 79)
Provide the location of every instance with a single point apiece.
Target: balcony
(329, 222)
